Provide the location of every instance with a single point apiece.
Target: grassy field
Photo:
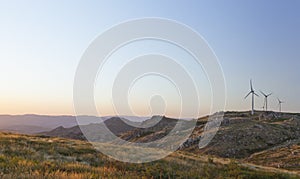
(24, 156)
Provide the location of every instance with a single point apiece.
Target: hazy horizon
(72, 115)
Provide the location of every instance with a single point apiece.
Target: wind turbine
(266, 99)
(253, 93)
(279, 104)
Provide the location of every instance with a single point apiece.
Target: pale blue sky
(41, 44)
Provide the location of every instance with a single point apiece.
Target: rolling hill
(241, 136)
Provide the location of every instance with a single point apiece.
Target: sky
(42, 42)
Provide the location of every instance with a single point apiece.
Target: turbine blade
(262, 93)
(269, 94)
(256, 94)
(280, 101)
(251, 85)
(247, 94)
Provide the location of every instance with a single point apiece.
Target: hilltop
(241, 134)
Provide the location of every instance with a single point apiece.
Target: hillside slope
(242, 135)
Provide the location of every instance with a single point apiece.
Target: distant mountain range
(31, 123)
(123, 128)
(115, 124)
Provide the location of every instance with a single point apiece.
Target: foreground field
(25, 156)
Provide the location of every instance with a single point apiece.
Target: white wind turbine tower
(266, 99)
(279, 104)
(253, 93)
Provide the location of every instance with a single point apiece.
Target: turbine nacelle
(279, 104)
(266, 99)
(266, 95)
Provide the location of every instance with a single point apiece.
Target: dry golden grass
(25, 156)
